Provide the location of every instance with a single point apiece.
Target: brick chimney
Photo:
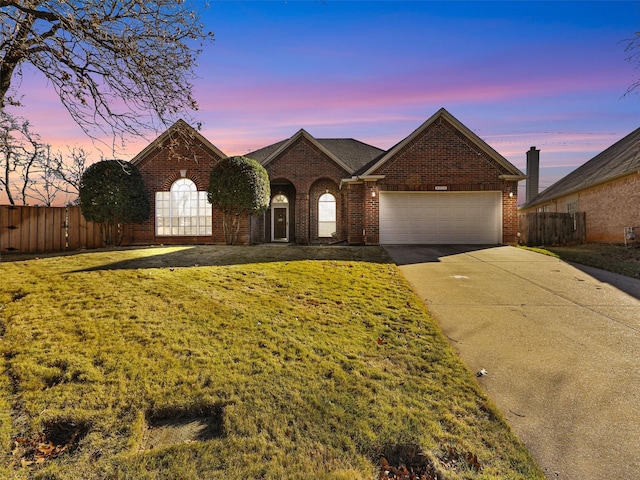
(533, 173)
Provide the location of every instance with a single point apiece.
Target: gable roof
(512, 171)
(348, 153)
(620, 159)
(179, 127)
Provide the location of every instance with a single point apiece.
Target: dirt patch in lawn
(171, 427)
(56, 439)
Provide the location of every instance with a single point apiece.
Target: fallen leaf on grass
(38, 449)
(46, 448)
(472, 460)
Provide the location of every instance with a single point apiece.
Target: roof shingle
(621, 158)
(353, 153)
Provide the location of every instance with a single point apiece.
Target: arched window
(279, 198)
(183, 210)
(326, 215)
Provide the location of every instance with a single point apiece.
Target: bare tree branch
(20, 154)
(118, 66)
(633, 56)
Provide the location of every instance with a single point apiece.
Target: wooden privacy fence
(46, 229)
(550, 228)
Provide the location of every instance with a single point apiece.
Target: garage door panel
(449, 218)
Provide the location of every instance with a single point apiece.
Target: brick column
(355, 213)
(371, 209)
(510, 214)
(302, 218)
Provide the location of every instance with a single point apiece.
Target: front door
(279, 224)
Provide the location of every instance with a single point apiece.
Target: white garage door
(472, 218)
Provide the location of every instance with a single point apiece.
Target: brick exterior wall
(609, 208)
(159, 170)
(441, 156)
(355, 213)
(310, 172)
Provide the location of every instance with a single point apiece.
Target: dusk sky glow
(517, 73)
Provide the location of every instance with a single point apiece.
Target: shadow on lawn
(223, 255)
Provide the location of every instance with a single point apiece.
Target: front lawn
(235, 363)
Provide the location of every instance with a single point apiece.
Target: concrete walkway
(561, 346)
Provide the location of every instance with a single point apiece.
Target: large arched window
(183, 210)
(326, 215)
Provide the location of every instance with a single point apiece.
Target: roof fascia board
(516, 178)
(555, 198)
(356, 179)
(167, 133)
(403, 143)
(349, 181)
(443, 113)
(283, 147)
(303, 133)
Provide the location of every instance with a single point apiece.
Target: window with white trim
(326, 215)
(183, 211)
(572, 207)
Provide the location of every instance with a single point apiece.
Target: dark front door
(280, 223)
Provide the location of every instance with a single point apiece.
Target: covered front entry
(472, 218)
(280, 218)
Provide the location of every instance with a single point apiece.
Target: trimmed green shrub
(238, 186)
(112, 194)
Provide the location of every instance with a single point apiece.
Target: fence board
(46, 229)
(15, 220)
(4, 232)
(29, 228)
(41, 233)
(73, 228)
(82, 234)
(58, 227)
(551, 228)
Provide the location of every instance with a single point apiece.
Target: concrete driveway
(561, 346)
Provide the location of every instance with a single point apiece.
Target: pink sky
(518, 74)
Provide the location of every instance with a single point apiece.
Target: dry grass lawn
(234, 363)
(621, 259)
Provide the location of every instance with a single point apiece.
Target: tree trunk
(13, 56)
(231, 227)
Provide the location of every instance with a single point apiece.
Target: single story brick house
(441, 184)
(606, 188)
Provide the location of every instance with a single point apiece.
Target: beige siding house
(606, 188)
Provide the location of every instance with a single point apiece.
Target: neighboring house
(440, 185)
(606, 188)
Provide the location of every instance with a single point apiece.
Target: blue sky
(517, 73)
